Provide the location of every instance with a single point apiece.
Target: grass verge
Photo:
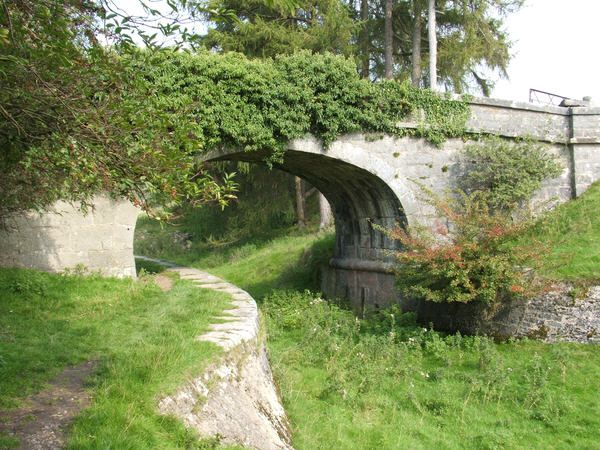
(386, 383)
(571, 233)
(143, 338)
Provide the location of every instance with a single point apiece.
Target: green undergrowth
(386, 382)
(271, 259)
(571, 234)
(143, 340)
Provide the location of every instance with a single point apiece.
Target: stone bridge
(370, 180)
(367, 179)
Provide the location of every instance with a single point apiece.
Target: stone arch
(362, 203)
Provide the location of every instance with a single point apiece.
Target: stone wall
(561, 314)
(101, 240)
(558, 315)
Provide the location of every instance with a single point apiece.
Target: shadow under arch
(361, 203)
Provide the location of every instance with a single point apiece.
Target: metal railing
(545, 98)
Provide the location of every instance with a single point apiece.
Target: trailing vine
(208, 101)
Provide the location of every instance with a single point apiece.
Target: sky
(555, 48)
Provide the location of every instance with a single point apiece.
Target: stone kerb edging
(235, 399)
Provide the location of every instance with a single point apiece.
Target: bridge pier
(66, 238)
(367, 285)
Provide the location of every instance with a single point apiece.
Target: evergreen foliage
(214, 101)
(507, 173)
(472, 44)
(258, 29)
(473, 47)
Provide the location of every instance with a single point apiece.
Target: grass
(387, 383)
(280, 259)
(572, 235)
(143, 338)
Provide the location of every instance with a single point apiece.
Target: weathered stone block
(101, 241)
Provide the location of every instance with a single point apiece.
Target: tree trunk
(364, 39)
(389, 35)
(300, 203)
(432, 47)
(416, 44)
(325, 212)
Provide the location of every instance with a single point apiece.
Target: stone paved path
(240, 323)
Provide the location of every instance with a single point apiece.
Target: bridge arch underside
(362, 205)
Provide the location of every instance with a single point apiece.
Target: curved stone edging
(240, 323)
(234, 399)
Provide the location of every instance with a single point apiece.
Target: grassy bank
(142, 337)
(571, 235)
(387, 383)
(568, 238)
(277, 259)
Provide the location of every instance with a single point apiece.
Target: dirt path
(40, 423)
(163, 282)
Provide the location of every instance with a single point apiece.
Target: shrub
(470, 258)
(505, 173)
(470, 262)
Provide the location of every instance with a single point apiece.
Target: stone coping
(234, 400)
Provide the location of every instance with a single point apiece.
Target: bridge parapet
(577, 128)
(551, 124)
(514, 119)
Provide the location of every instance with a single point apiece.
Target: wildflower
(515, 288)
